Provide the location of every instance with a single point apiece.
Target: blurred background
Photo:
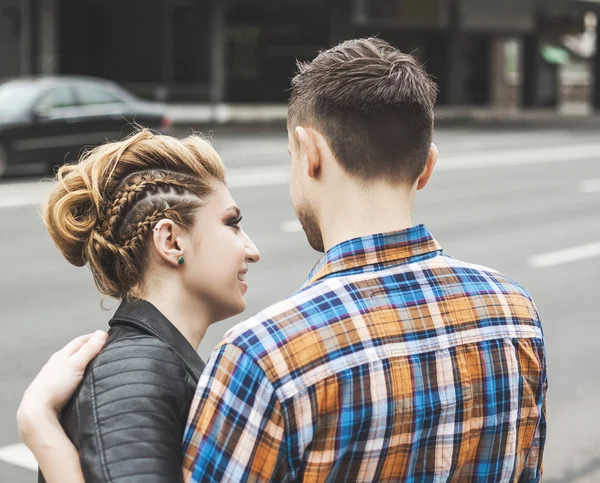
(517, 186)
(501, 53)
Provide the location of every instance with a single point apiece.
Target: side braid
(140, 201)
(134, 188)
(98, 249)
(138, 232)
(100, 243)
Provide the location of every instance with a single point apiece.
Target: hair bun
(71, 213)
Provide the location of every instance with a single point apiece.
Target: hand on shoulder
(56, 382)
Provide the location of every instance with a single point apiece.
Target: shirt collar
(145, 316)
(382, 248)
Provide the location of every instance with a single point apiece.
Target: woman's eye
(235, 224)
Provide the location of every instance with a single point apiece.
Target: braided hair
(102, 210)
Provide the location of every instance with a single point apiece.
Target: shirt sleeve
(236, 427)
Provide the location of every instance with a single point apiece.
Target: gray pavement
(500, 198)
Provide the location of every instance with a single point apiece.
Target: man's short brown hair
(373, 103)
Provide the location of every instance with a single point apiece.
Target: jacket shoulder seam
(127, 344)
(183, 414)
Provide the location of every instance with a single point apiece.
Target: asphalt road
(523, 201)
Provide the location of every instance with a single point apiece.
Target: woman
(152, 218)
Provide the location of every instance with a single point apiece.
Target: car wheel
(3, 161)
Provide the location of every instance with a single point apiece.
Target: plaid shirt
(394, 362)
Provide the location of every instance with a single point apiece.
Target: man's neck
(379, 209)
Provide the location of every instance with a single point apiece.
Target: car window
(16, 97)
(93, 96)
(55, 98)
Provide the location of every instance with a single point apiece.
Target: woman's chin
(240, 305)
(243, 306)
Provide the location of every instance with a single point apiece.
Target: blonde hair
(101, 210)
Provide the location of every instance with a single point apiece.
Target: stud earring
(180, 260)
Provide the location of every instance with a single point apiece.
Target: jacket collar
(359, 254)
(145, 316)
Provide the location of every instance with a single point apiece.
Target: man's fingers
(89, 349)
(75, 344)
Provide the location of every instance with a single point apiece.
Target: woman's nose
(252, 253)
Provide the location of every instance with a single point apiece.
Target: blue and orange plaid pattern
(393, 363)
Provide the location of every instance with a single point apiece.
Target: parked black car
(47, 121)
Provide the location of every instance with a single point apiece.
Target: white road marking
(18, 455)
(260, 176)
(291, 226)
(590, 186)
(13, 195)
(518, 157)
(15, 201)
(24, 194)
(31, 193)
(567, 255)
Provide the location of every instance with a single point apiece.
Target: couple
(394, 361)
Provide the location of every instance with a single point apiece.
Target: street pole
(218, 67)
(596, 70)
(217, 53)
(48, 18)
(530, 69)
(455, 64)
(26, 51)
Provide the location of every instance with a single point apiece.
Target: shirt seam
(388, 264)
(463, 341)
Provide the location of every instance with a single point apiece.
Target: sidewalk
(575, 115)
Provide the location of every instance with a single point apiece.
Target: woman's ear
(165, 241)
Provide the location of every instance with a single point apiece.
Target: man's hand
(56, 382)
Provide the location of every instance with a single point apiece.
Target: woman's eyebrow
(235, 209)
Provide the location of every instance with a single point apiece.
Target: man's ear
(428, 171)
(309, 150)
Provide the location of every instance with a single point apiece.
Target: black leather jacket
(128, 416)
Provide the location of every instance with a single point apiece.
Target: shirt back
(394, 362)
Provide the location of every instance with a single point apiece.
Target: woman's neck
(189, 316)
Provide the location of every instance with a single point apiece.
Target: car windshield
(96, 95)
(16, 96)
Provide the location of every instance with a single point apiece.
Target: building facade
(244, 51)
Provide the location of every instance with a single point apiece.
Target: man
(394, 362)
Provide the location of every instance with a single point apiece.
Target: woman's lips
(242, 279)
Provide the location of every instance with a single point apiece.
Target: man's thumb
(89, 350)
